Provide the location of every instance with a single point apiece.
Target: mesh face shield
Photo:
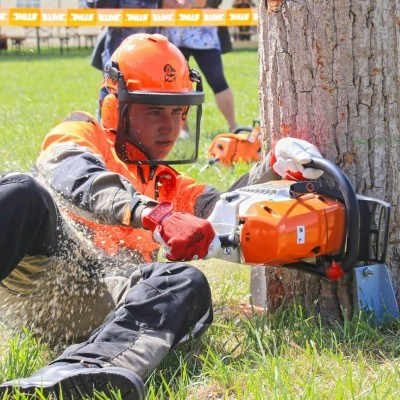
(139, 145)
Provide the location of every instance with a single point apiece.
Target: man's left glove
(184, 236)
(288, 157)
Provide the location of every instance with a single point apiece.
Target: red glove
(185, 236)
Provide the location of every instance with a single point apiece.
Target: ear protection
(109, 112)
(109, 105)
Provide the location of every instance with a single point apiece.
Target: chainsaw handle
(229, 240)
(351, 205)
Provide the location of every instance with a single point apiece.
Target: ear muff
(109, 112)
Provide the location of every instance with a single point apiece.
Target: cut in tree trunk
(329, 74)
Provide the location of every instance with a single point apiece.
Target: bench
(16, 43)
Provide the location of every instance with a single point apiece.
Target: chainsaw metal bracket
(373, 292)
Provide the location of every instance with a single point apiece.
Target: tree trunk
(329, 74)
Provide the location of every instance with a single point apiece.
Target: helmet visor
(186, 146)
(163, 126)
(162, 134)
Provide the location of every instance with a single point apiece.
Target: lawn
(246, 354)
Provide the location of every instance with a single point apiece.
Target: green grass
(37, 92)
(244, 355)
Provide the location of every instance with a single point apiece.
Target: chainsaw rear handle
(352, 210)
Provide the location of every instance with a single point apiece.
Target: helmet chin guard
(148, 69)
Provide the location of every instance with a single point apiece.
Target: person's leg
(170, 304)
(39, 262)
(210, 63)
(28, 228)
(28, 223)
(225, 103)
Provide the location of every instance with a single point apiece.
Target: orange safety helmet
(148, 69)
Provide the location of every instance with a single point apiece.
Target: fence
(80, 27)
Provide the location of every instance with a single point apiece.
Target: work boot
(74, 381)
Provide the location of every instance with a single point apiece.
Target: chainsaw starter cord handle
(352, 210)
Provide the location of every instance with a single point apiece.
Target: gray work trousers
(51, 282)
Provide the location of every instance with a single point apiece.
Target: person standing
(111, 37)
(203, 44)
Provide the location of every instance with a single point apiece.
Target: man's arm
(72, 164)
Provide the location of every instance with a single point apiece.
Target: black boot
(74, 381)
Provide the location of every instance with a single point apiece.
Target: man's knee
(29, 213)
(23, 188)
(184, 275)
(199, 281)
(171, 297)
(20, 183)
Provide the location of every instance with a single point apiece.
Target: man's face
(154, 129)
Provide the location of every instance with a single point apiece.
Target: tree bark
(329, 74)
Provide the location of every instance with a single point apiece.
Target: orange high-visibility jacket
(78, 161)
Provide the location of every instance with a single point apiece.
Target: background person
(111, 37)
(76, 248)
(203, 44)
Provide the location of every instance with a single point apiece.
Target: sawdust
(68, 299)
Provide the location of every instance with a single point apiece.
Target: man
(76, 249)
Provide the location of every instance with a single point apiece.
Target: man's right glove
(288, 156)
(184, 236)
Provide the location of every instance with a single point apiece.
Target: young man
(76, 248)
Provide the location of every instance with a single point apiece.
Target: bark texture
(329, 74)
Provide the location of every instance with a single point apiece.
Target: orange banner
(24, 17)
(213, 16)
(53, 17)
(4, 16)
(85, 17)
(127, 17)
(189, 17)
(162, 18)
(240, 17)
(136, 18)
(108, 17)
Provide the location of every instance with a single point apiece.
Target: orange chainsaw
(242, 145)
(325, 231)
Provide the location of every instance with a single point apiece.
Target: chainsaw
(242, 145)
(309, 227)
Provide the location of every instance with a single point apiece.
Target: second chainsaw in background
(242, 145)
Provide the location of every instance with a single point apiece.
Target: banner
(127, 17)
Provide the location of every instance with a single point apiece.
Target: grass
(246, 354)
(40, 91)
